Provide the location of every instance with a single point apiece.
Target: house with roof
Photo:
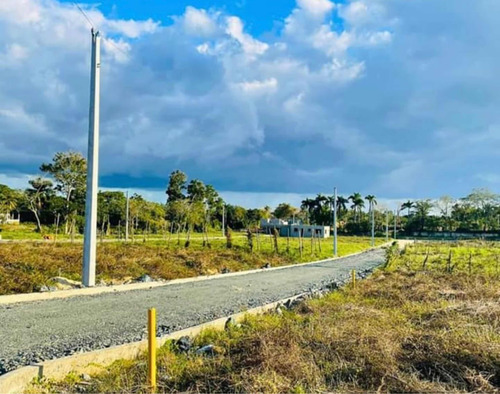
(294, 228)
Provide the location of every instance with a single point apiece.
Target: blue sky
(266, 100)
(260, 15)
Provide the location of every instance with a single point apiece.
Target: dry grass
(399, 331)
(26, 267)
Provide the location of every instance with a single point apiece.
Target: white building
(294, 229)
(7, 218)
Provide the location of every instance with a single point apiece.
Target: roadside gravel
(36, 331)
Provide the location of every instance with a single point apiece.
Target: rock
(266, 266)
(45, 289)
(225, 270)
(209, 350)
(231, 322)
(184, 344)
(85, 377)
(62, 283)
(144, 279)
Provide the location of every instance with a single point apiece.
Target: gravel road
(36, 331)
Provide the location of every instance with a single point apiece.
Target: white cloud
(131, 28)
(361, 87)
(266, 86)
(354, 12)
(21, 11)
(198, 22)
(249, 44)
(316, 8)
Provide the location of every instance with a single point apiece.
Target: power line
(85, 15)
(110, 41)
(107, 39)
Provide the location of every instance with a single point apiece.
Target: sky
(269, 101)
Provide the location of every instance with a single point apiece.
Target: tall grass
(403, 330)
(26, 267)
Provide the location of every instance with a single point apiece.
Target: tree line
(56, 199)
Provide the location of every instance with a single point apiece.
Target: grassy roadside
(26, 267)
(408, 328)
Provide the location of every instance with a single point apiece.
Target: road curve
(42, 330)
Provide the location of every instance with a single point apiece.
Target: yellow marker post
(353, 278)
(152, 349)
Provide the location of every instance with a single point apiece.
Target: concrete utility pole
(335, 222)
(89, 247)
(372, 210)
(387, 226)
(395, 223)
(127, 218)
(223, 221)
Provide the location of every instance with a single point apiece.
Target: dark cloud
(399, 98)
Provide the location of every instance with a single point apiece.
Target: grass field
(473, 257)
(408, 328)
(27, 231)
(26, 267)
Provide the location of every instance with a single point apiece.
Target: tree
(111, 208)
(422, 210)
(308, 205)
(285, 211)
(485, 203)
(9, 200)
(69, 171)
(408, 205)
(372, 201)
(196, 191)
(37, 196)
(357, 204)
(266, 212)
(253, 217)
(445, 205)
(176, 186)
(342, 206)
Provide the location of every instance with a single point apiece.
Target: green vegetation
(55, 202)
(26, 267)
(409, 328)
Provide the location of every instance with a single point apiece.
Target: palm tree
(357, 204)
(37, 195)
(342, 203)
(372, 202)
(423, 209)
(408, 205)
(308, 205)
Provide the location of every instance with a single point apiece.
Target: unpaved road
(36, 331)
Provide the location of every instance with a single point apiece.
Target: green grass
(27, 231)
(472, 257)
(405, 329)
(26, 267)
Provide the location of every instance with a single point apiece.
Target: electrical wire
(107, 39)
(84, 15)
(110, 41)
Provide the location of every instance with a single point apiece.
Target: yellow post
(353, 278)
(152, 349)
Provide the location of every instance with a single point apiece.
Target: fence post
(152, 349)
(353, 278)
